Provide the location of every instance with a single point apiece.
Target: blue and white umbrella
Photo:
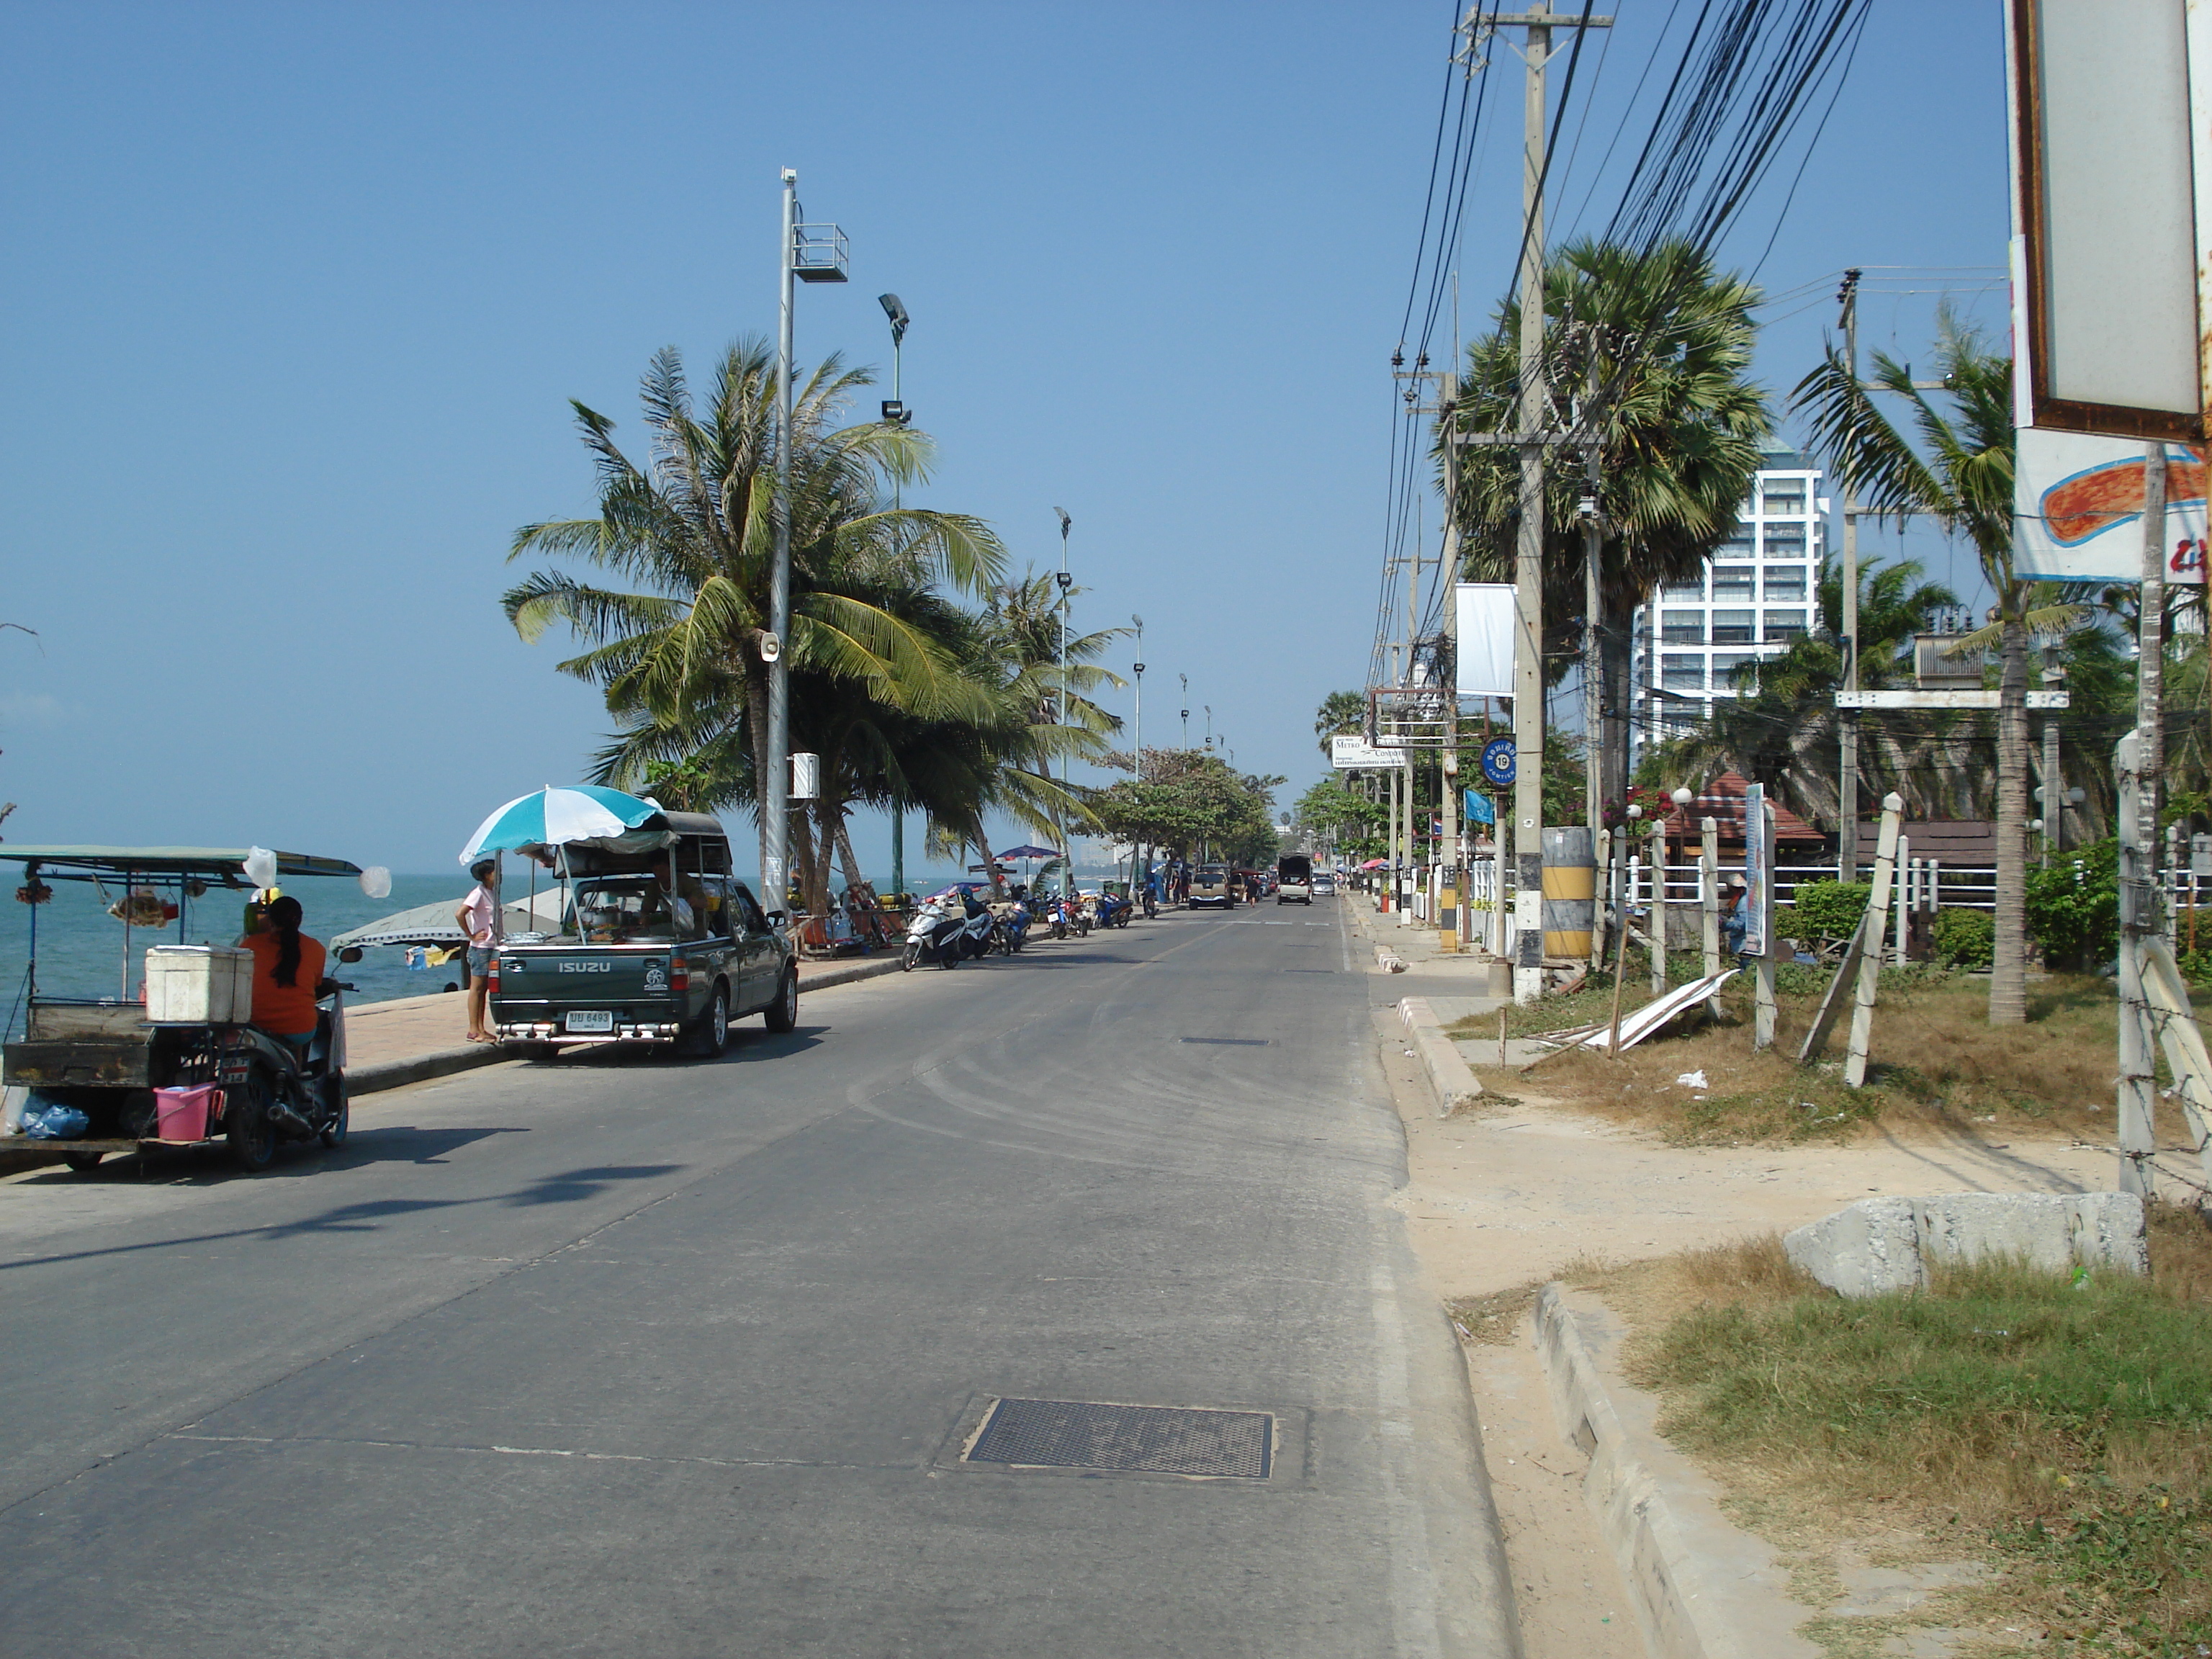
(584, 812)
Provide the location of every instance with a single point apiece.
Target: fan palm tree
(1960, 472)
(1666, 341)
(688, 537)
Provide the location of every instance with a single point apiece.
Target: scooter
(934, 935)
(979, 929)
(1013, 930)
(272, 1094)
(1113, 912)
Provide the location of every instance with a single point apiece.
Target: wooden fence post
(1885, 863)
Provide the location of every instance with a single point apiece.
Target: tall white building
(1755, 595)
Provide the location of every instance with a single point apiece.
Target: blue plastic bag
(56, 1122)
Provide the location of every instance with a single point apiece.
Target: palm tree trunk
(2009, 971)
(850, 864)
(1615, 648)
(990, 864)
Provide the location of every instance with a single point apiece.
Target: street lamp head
(1066, 581)
(1065, 521)
(790, 176)
(1140, 668)
(896, 312)
(1683, 798)
(1634, 810)
(1140, 621)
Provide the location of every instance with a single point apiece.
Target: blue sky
(295, 297)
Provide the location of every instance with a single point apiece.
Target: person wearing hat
(1736, 915)
(478, 917)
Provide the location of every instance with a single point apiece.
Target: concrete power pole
(1528, 945)
(1847, 783)
(2142, 758)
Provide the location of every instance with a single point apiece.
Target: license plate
(592, 1019)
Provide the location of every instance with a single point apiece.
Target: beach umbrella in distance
(1028, 853)
(582, 812)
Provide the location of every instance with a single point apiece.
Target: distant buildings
(1755, 595)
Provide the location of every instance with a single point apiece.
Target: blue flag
(1478, 809)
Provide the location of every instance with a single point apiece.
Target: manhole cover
(1233, 1043)
(1069, 1434)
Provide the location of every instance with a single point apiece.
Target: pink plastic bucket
(182, 1114)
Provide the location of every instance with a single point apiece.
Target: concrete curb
(1702, 1589)
(419, 1068)
(851, 972)
(444, 1062)
(1451, 1080)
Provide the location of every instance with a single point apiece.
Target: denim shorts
(480, 960)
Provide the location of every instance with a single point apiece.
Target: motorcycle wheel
(913, 956)
(83, 1163)
(949, 958)
(782, 1014)
(333, 1133)
(247, 1127)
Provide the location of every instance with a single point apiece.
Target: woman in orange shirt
(288, 965)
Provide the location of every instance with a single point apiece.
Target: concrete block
(1867, 1249)
(1883, 1245)
(1451, 1079)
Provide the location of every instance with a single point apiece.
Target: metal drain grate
(1232, 1043)
(1069, 1434)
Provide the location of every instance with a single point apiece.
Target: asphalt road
(681, 1358)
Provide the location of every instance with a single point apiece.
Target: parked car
(658, 946)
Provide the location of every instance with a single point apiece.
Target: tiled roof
(1722, 800)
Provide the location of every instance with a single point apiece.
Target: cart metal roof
(226, 863)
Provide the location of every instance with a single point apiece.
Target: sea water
(81, 947)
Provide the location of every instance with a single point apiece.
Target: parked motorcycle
(1113, 912)
(980, 928)
(935, 935)
(1013, 925)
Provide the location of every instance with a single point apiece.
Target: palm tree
(1341, 713)
(1960, 474)
(1665, 340)
(690, 536)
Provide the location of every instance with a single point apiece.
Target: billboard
(2109, 141)
(2079, 502)
(1485, 644)
(1356, 754)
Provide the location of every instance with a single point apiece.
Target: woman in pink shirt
(478, 917)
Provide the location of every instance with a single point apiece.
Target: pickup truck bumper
(545, 1031)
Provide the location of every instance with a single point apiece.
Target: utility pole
(2142, 756)
(1135, 879)
(1185, 678)
(1593, 655)
(1847, 785)
(1528, 552)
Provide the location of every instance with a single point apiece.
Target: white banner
(2080, 501)
(1357, 755)
(1485, 644)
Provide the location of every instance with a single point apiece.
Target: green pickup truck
(659, 945)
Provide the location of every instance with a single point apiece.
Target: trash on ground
(1635, 1027)
(1693, 1080)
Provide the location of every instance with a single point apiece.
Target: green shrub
(1827, 909)
(2074, 908)
(1964, 938)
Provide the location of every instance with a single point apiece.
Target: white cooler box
(198, 985)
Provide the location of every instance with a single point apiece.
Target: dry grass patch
(1938, 1066)
(2061, 1427)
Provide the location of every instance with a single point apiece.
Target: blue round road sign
(1497, 760)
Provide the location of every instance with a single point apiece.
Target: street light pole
(1185, 678)
(896, 411)
(820, 258)
(1135, 877)
(1066, 852)
(775, 788)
